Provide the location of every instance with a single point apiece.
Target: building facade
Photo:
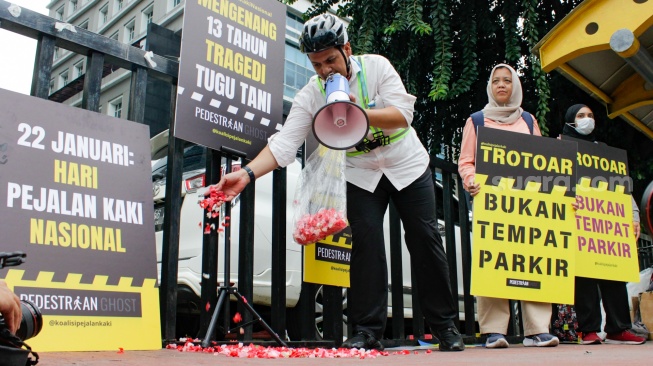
(127, 21)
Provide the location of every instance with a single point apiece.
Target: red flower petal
(237, 318)
(253, 351)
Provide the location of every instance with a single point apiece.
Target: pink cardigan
(466, 161)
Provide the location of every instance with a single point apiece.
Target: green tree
(445, 49)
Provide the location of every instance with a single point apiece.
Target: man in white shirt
(392, 166)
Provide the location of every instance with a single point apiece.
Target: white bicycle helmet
(322, 32)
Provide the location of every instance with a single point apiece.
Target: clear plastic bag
(320, 204)
(645, 283)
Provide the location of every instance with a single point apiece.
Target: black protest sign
(77, 199)
(602, 164)
(525, 158)
(230, 90)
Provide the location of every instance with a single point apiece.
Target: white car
(191, 237)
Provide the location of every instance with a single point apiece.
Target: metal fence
(104, 54)
(645, 252)
(102, 51)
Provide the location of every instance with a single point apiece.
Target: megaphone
(340, 124)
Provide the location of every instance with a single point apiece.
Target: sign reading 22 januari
(77, 200)
(230, 90)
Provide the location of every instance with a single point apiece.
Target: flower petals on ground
(255, 351)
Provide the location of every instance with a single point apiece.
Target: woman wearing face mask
(579, 123)
(503, 112)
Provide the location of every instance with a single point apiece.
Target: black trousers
(589, 293)
(368, 295)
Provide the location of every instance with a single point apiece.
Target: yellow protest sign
(523, 246)
(327, 261)
(523, 220)
(606, 246)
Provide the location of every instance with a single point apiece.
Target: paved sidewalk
(516, 354)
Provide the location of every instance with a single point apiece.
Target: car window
(159, 169)
(194, 158)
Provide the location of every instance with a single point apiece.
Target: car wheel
(188, 313)
(294, 326)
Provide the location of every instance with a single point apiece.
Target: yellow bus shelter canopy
(604, 47)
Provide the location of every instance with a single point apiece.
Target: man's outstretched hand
(231, 184)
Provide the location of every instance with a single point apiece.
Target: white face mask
(584, 126)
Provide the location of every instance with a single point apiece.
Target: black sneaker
(450, 339)
(362, 340)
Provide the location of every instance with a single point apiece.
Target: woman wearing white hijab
(503, 112)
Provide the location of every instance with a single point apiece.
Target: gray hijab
(508, 113)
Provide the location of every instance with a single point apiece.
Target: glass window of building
(117, 6)
(73, 6)
(84, 24)
(130, 30)
(63, 78)
(114, 36)
(104, 14)
(174, 3)
(294, 26)
(297, 69)
(79, 68)
(59, 13)
(51, 88)
(146, 16)
(115, 107)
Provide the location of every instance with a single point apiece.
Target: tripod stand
(225, 291)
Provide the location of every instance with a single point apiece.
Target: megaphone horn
(340, 124)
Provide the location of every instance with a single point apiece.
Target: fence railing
(101, 51)
(645, 252)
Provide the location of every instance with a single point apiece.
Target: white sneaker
(541, 340)
(496, 340)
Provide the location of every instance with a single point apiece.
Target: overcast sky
(17, 55)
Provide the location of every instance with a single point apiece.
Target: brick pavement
(516, 354)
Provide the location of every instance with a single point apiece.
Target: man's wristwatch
(249, 171)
